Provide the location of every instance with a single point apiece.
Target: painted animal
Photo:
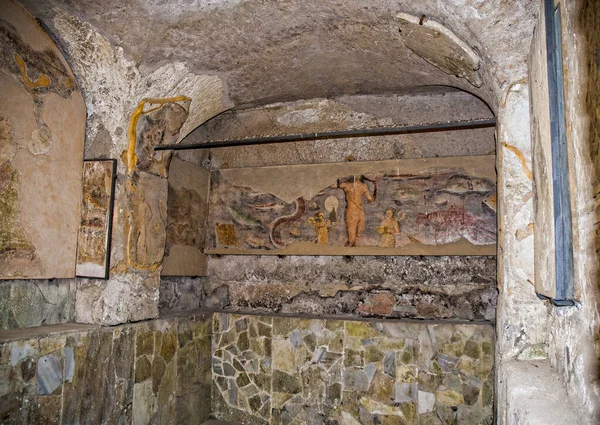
(296, 215)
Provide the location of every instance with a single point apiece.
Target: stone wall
(285, 370)
(29, 303)
(413, 287)
(151, 372)
(574, 342)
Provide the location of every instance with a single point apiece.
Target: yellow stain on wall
(42, 81)
(525, 232)
(137, 113)
(130, 158)
(521, 158)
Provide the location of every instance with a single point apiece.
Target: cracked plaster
(271, 51)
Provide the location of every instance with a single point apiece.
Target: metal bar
(381, 131)
(563, 238)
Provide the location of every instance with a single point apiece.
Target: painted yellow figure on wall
(388, 229)
(355, 214)
(321, 227)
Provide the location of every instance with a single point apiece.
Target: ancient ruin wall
(150, 372)
(574, 343)
(417, 287)
(280, 370)
(42, 127)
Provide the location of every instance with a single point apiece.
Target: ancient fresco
(187, 211)
(96, 213)
(159, 127)
(437, 206)
(42, 130)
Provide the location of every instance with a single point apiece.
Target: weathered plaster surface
(92, 238)
(180, 294)
(153, 372)
(425, 287)
(270, 51)
(122, 298)
(440, 47)
(113, 85)
(574, 340)
(535, 395)
(521, 318)
(321, 115)
(416, 287)
(187, 211)
(43, 121)
(139, 234)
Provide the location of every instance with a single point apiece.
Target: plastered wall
(419, 286)
(42, 128)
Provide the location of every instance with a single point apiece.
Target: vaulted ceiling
(262, 51)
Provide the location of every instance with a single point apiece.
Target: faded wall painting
(93, 239)
(436, 206)
(187, 211)
(42, 131)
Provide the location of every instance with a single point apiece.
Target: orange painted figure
(388, 229)
(321, 227)
(355, 215)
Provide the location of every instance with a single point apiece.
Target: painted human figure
(355, 190)
(388, 228)
(321, 227)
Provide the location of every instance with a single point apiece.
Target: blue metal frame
(563, 237)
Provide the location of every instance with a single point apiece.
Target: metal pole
(381, 131)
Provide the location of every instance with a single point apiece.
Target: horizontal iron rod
(382, 131)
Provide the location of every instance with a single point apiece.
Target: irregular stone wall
(265, 369)
(151, 372)
(283, 370)
(411, 287)
(29, 303)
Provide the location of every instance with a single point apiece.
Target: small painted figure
(355, 214)
(321, 227)
(388, 229)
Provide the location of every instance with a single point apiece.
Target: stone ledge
(535, 395)
(26, 333)
(44, 330)
(309, 316)
(7, 335)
